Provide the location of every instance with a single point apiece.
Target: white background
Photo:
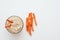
(47, 13)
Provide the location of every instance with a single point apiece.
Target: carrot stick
(29, 30)
(27, 24)
(8, 26)
(9, 21)
(34, 19)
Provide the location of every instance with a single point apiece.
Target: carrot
(29, 30)
(9, 21)
(26, 24)
(29, 23)
(8, 25)
(34, 19)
